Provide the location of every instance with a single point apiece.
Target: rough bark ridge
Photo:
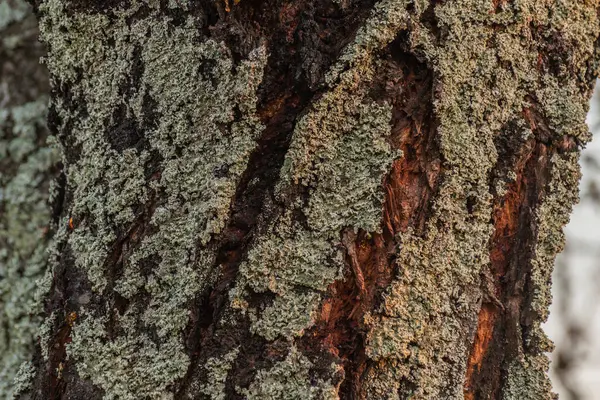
(26, 169)
(310, 199)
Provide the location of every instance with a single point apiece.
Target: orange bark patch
(506, 223)
(409, 188)
(512, 219)
(485, 331)
(412, 182)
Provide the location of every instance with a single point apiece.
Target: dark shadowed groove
(339, 333)
(503, 323)
(510, 245)
(290, 83)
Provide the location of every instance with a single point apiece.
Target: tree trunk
(27, 165)
(309, 200)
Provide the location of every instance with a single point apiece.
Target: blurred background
(574, 323)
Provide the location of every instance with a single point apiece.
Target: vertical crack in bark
(256, 184)
(305, 38)
(500, 333)
(511, 217)
(409, 190)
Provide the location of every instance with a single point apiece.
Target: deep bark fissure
(284, 94)
(503, 318)
(409, 190)
(510, 241)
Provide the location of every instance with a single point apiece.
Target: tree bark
(27, 166)
(309, 200)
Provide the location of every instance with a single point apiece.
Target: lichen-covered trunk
(311, 199)
(27, 166)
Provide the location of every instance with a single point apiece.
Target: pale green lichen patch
(289, 259)
(528, 380)
(194, 107)
(128, 367)
(23, 378)
(202, 165)
(217, 370)
(289, 380)
(388, 17)
(109, 205)
(45, 334)
(563, 105)
(348, 192)
(552, 215)
(103, 197)
(286, 258)
(385, 382)
(26, 161)
(289, 315)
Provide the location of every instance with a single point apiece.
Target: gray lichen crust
(26, 162)
(289, 380)
(340, 154)
(25, 217)
(417, 335)
(203, 145)
(130, 366)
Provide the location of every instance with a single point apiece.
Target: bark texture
(26, 169)
(314, 199)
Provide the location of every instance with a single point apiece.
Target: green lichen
(357, 162)
(198, 199)
(388, 17)
(23, 378)
(289, 380)
(204, 131)
(563, 106)
(290, 314)
(528, 380)
(25, 161)
(217, 370)
(552, 215)
(45, 334)
(109, 205)
(129, 366)
(288, 259)
(103, 197)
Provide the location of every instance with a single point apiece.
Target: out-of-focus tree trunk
(314, 199)
(26, 169)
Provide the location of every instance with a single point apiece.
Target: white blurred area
(574, 322)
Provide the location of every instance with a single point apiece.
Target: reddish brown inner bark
(506, 213)
(339, 330)
(503, 322)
